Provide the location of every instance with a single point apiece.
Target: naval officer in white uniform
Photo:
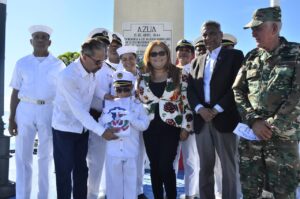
(34, 87)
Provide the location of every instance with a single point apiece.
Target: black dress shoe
(142, 196)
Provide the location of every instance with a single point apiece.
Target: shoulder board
(111, 67)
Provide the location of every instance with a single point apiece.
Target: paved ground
(147, 182)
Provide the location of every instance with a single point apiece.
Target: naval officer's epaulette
(111, 67)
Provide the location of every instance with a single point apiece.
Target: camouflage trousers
(269, 169)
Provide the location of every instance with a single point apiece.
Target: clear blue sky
(72, 20)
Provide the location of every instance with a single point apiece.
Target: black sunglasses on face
(160, 53)
(97, 62)
(123, 89)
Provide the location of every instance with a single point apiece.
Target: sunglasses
(97, 62)
(160, 53)
(123, 89)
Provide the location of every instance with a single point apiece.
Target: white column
(275, 3)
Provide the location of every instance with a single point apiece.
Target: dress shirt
(76, 88)
(210, 63)
(35, 77)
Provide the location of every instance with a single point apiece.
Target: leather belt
(33, 101)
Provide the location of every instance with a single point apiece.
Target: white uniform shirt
(211, 60)
(76, 88)
(36, 80)
(128, 147)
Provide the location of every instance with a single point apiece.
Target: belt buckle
(40, 102)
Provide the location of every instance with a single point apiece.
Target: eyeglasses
(97, 62)
(160, 53)
(123, 89)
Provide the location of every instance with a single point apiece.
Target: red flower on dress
(180, 106)
(169, 107)
(171, 122)
(189, 117)
(175, 96)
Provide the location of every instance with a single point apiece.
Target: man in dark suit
(215, 115)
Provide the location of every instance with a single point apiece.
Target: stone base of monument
(8, 190)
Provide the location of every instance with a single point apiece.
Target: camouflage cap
(264, 14)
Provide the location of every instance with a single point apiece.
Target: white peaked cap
(123, 75)
(230, 37)
(100, 31)
(40, 28)
(127, 49)
(119, 38)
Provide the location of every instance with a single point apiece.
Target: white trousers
(121, 178)
(96, 162)
(141, 165)
(33, 119)
(191, 165)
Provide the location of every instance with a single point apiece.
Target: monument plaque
(142, 21)
(140, 34)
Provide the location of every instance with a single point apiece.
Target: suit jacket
(226, 68)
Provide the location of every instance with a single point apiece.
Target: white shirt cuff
(218, 108)
(197, 108)
(99, 130)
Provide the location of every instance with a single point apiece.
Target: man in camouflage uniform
(267, 93)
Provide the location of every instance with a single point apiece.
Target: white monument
(274, 3)
(141, 21)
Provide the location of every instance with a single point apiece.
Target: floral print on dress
(173, 104)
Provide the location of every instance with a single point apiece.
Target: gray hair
(211, 23)
(278, 24)
(89, 46)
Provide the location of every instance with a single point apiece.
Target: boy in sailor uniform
(126, 113)
(128, 57)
